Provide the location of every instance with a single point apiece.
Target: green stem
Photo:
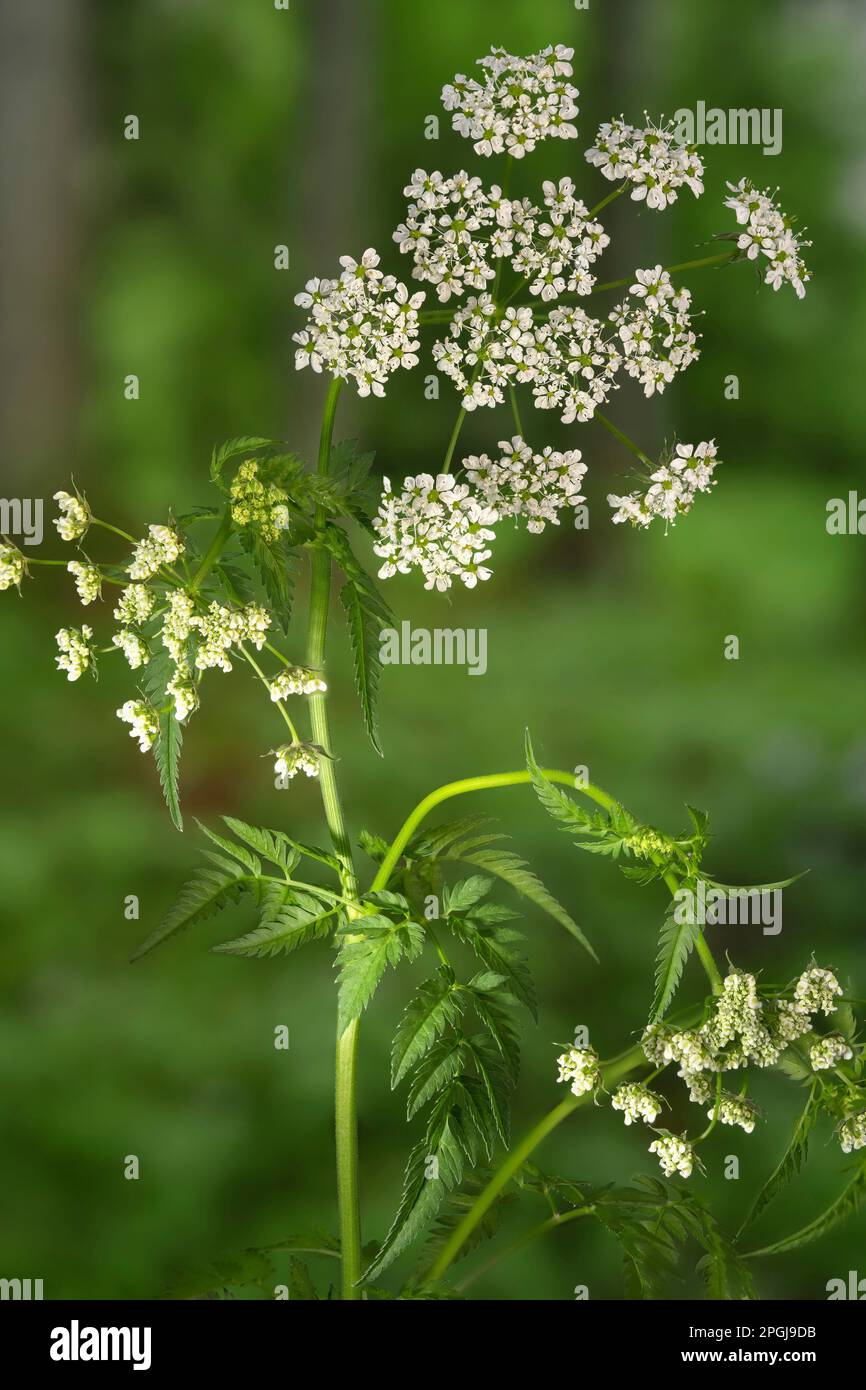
(551, 1224)
(215, 549)
(512, 394)
(609, 199)
(672, 269)
(623, 438)
(346, 1121)
(612, 1072)
(452, 443)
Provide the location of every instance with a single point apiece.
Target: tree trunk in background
(41, 44)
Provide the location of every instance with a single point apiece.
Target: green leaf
(442, 1063)
(491, 1063)
(270, 844)
(243, 1270)
(299, 919)
(676, 941)
(465, 895)
(845, 1205)
(207, 893)
(274, 561)
(516, 872)
(490, 945)
(436, 1005)
(365, 624)
(166, 751)
(791, 1162)
(493, 1008)
(374, 944)
(244, 444)
(249, 861)
(301, 1286)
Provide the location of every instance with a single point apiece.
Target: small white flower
(135, 605)
(183, 691)
(296, 680)
(161, 546)
(74, 519)
(11, 566)
(652, 159)
(735, 1110)
(767, 232)
(518, 103)
(636, 1102)
(134, 648)
(437, 526)
(293, 758)
(852, 1132)
(829, 1051)
(672, 489)
(88, 581)
(520, 483)
(816, 991)
(580, 1067)
(76, 651)
(675, 1154)
(144, 722)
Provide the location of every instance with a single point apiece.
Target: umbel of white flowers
(461, 234)
(744, 1029)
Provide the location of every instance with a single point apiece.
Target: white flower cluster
(76, 651)
(556, 247)
(735, 1110)
(816, 991)
(221, 628)
(768, 232)
(436, 525)
(579, 1066)
(450, 224)
(161, 546)
(296, 680)
(455, 231)
(656, 335)
(485, 351)
(88, 581)
(637, 1103)
(258, 504)
(852, 1132)
(135, 604)
(74, 518)
(363, 326)
(144, 722)
(651, 158)
(519, 102)
(293, 758)
(182, 690)
(673, 487)
(829, 1051)
(134, 647)
(11, 566)
(675, 1154)
(521, 483)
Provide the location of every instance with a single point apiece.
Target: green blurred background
(261, 127)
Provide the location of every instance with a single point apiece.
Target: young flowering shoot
(518, 103)
(816, 991)
(700, 1086)
(258, 504)
(292, 758)
(790, 1022)
(434, 525)
(12, 568)
(143, 720)
(767, 232)
(520, 483)
(135, 605)
(829, 1052)
(362, 327)
(579, 1066)
(675, 1154)
(652, 159)
(852, 1132)
(88, 581)
(177, 625)
(454, 231)
(672, 489)
(75, 517)
(161, 546)
(735, 1110)
(296, 680)
(637, 1103)
(76, 651)
(134, 647)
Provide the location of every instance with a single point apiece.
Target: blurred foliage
(608, 645)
